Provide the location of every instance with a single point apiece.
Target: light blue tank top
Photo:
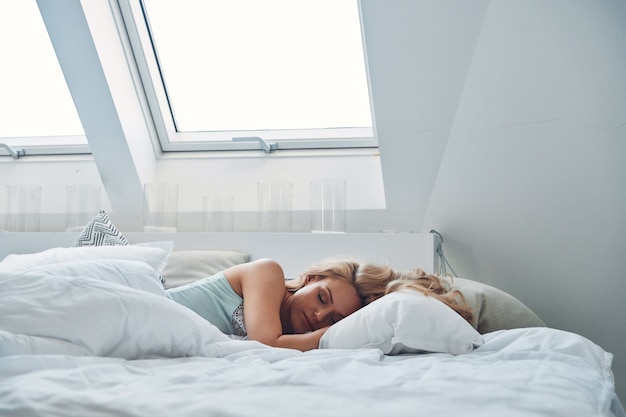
(215, 300)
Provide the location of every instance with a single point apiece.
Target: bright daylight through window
(284, 69)
(35, 103)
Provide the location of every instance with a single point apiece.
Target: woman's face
(322, 302)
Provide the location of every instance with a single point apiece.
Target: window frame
(133, 16)
(47, 144)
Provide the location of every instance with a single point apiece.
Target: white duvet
(85, 347)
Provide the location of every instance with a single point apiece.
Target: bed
(87, 331)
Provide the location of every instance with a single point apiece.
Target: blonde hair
(373, 281)
(343, 269)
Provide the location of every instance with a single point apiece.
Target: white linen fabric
(83, 346)
(134, 274)
(44, 314)
(535, 372)
(404, 322)
(155, 254)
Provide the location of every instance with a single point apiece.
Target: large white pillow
(134, 274)
(404, 322)
(155, 254)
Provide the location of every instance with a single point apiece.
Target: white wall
(404, 251)
(419, 53)
(531, 193)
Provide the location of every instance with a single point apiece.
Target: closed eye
(321, 297)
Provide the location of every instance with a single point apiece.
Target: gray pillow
(494, 309)
(187, 266)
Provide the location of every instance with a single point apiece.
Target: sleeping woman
(254, 300)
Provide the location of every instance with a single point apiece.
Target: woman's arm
(261, 283)
(302, 342)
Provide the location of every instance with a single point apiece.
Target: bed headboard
(294, 251)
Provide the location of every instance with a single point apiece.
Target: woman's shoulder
(264, 271)
(264, 266)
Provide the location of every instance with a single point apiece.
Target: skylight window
(285, 70)
(34, 98)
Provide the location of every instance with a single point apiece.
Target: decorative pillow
(404, 322)
(188, 266)
(100, 232)
(494, 309)
(154, 254)
(133, 274)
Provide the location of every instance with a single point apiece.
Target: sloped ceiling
(419, 54)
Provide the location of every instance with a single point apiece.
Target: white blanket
(43, 313)
(81, 347)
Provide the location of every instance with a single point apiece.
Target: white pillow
(155, 254)
(404, 322)
(134, 274)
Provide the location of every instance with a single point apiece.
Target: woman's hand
(303, 342)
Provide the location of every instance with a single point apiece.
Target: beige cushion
(187, 266)
(494, 309)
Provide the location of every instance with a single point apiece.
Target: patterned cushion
(100, 232)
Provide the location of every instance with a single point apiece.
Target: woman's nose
(321, 316)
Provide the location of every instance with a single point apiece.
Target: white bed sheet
(522, 372)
